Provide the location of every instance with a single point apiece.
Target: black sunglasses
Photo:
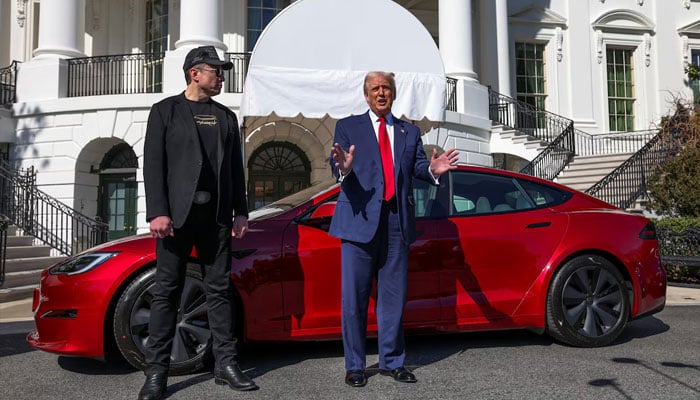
(219, 71)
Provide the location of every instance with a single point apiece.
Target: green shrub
(675, 186)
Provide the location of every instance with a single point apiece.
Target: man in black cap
(195, 197)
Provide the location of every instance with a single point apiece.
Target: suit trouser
(213, 244)
(386, 257)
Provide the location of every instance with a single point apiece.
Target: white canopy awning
(312, 58)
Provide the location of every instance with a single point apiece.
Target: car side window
(542, 195)
(423, 196)
(475, 193)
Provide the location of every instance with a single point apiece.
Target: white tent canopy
(312, 58)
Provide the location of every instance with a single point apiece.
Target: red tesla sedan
(495, 250)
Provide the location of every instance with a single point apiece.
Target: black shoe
(154, 387)
(401, 374)
(232, 376)
(356, 378)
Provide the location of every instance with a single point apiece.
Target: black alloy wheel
(588, 303)
(191, 349)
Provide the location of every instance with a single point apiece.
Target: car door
(495, 244)
(313, 294)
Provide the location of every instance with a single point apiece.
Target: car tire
(192, 343)
(588, 303)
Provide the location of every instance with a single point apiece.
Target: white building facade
(607, 65)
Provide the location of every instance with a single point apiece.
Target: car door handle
(538, 225)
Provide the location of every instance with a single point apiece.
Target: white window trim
(625, 29)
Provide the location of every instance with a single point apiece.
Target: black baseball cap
(205, 55)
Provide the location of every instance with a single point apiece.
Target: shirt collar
(374, 118)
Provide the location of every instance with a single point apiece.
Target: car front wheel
(588, 303)
(191, 348)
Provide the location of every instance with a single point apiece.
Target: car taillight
(649, 232)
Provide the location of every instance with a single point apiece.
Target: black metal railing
(548, 127)
(235, 77)
(451, 94)
(679, 248)
(526, 118)
(8, 84)
(40, 215)
(612, 143)
(555, 157)
(628, 182)
(4, 223)
(115, 74)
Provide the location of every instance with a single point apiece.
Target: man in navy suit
(375, 220)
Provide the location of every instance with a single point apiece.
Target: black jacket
(173, 160)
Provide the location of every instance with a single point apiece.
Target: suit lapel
(223, 134)
(399, 145)
(367, 126)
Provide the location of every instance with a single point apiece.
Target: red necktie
(387, 161)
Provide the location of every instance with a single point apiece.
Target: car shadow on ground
(642, 328)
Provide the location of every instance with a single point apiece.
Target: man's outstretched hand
(444, 162)
(343, 159)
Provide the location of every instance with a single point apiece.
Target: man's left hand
(240, 226)
(443, 163)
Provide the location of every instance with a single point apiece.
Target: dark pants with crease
(213, 244)
(386, 258)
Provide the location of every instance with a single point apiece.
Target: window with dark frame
(260, 13)
(621, 96)
(156, 42)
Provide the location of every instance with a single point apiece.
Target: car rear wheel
(192, 343)
(588, 303)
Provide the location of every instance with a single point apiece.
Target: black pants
(213, 244)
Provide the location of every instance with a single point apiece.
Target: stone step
(21, 278)
(17, 293)
(31, 263)
(614, 158)
(604, 164)
(17, 241)
(27, 251)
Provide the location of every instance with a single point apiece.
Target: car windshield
(291, 201)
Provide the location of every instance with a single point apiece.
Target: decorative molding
(690, 30)
(599, 45)
(685, 49)
(647, 49)
(640, 2)
(686, 3)
(21, 12)
(132, 6)
(626, 21)
(537, 16)
(559, 40)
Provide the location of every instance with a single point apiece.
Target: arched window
(117, 191)
(276, 170)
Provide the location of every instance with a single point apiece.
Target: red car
(495, 250)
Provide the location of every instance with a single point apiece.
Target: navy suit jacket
(359, 205)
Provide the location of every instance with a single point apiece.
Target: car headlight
(80, 264)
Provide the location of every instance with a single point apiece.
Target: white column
(61, 29)
(503, 46)
(204, 29)
(455, 29)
